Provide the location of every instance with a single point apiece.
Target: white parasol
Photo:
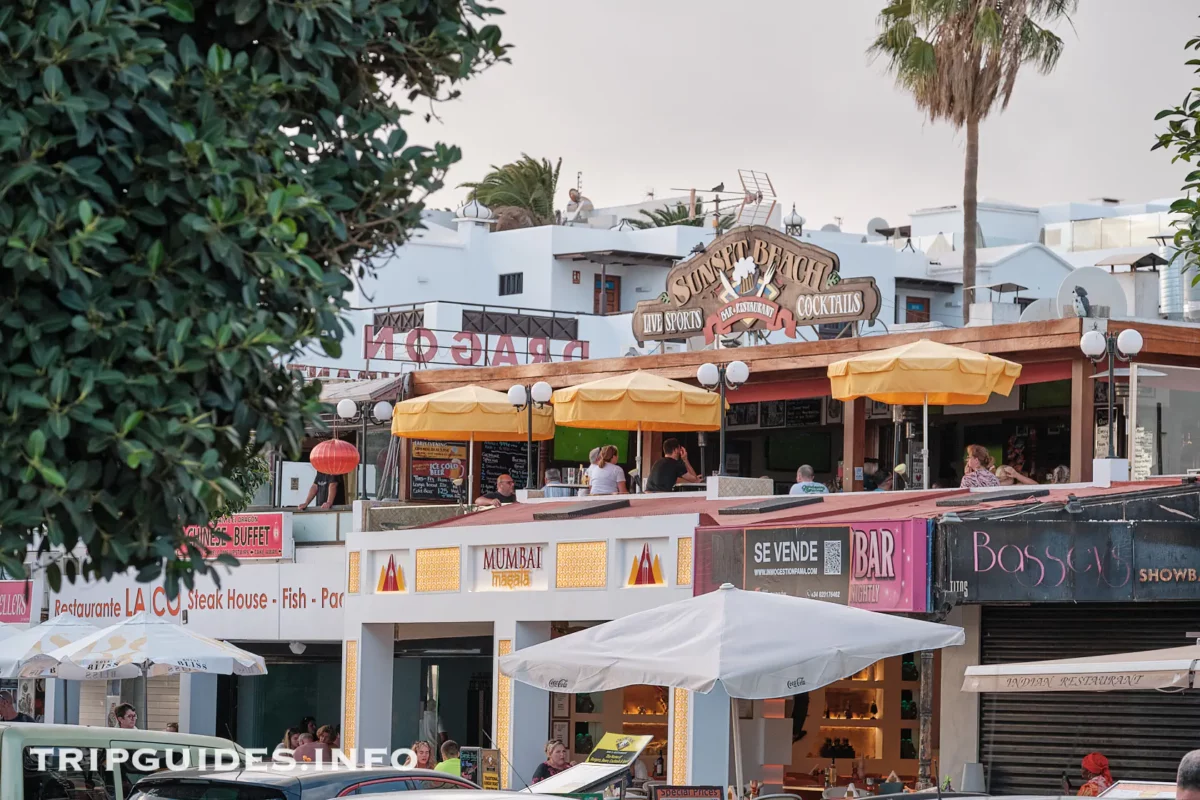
(19, 647)
(143, 646)
(756, 645)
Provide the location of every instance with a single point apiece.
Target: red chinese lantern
(334, 457)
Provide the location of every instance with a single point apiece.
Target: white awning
(1173, 668)
(361, 391)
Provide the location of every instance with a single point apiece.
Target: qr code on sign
(833, 558)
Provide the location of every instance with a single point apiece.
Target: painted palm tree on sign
(958, 59)
(522, 192)
(678, 215)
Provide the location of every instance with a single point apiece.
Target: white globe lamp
(346, 409)
(1129, 342)
(737, 373)
(708, 375)
(1093, 344)
(542, 392)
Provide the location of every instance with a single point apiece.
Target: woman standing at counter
(556, 761)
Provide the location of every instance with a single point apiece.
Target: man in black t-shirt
(506, 492)
(671, 469)
(327, 490)
(8, 709)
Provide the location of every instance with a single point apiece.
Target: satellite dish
(876, 224)
(1039, 310)
(1096, 288)
(831, 228)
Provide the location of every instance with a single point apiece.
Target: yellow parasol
(638, 401)
(923, 372)
(469, 413)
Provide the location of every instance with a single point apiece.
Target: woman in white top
(605, 477)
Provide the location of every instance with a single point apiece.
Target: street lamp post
(722, 376)
(381, 412)
(526, 397)
(1099, 347)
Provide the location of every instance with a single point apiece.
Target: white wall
(959, 722)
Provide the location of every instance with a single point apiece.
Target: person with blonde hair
(557, 760)
(424, 751)
(606, 476)
(977, 473)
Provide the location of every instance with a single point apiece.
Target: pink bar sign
(14, 604)
(889, 569)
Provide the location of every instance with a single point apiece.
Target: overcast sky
(660, 94)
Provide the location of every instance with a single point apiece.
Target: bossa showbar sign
(754, 278)
(248, 536)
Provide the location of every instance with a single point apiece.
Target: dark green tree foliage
(1183, 137)
(187, 190)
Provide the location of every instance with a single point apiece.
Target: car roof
(76, 735)
(455, 794)
(308, 777)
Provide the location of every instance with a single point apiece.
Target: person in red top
(556, 761)
(1095, 772)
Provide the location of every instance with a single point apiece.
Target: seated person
(673, 468)
(506, 492)
(554, 486)
(806, 482)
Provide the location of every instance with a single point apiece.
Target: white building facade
(460, 294)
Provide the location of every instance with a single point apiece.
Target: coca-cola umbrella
(756, 645)
(143, 646)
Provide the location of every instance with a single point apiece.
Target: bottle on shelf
(827, 749)
(660, 768)
(849, 714)
(874, 710)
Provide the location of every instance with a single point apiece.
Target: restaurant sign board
(247, 536)
(510, 567)
(15, 601)
(667, 792)
(878, 565)
(754, 278)
(1073, 562)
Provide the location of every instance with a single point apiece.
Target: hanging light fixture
(334, 457)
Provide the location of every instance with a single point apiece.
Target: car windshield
(204, 790)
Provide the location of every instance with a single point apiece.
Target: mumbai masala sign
(754, 278)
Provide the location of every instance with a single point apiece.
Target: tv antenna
(758, 198)
(579, 181)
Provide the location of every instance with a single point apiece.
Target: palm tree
(678, 215)
(527, 184)
(959, 58)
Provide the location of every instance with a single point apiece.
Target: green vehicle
(37, 760)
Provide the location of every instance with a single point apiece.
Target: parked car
(21, 777)
(296, 783)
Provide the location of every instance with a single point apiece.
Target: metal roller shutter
(1027, 741)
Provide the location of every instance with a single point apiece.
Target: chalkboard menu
(772, 414)
(741, 415)
(499, 458)
(433, 467)
(803, 412)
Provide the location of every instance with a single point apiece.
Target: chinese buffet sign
(247, 536)
(881, 566)
(754, 279)
(1074, 562)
